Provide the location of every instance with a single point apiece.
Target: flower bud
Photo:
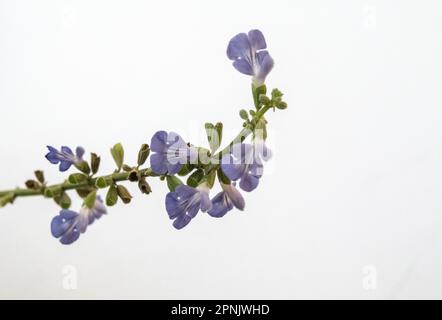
(83, 166)
(40, 176)
(101, 183)
(32, 184)
(133, 176)
(95, 163)
(144, 186)
(281, 105)
(143, 154)
(243, 114)
(118, 154)
(276, 93)
(127, 168)
(77, 178)
(62, 199)
(124, 194)
(112, 196)
(264, 99)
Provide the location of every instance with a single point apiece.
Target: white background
(355, 184)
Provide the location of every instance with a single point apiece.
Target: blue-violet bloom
(184, 203)
(170, 152)
(244, 163)
(65, 157)
(69, 224)
(224, 201)
(246, 51)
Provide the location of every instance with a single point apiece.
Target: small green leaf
(195, 178)
(186, 169)
(143, 154)
(112, 196)
(89, 201)
(118, 154)
(212, 136)
(173, 182)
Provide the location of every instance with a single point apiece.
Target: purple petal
(231, 170)
(219, 206)
(70, 236)
(243, 66)
(235, 196)
(185, 192)
(239, 47)
(67, 150)
(65, 165)
(158, 163)
(173, 168)
(52, 155)
(265, 63)
(181, 221)
(256, 39)
(248, 182)
(61, 223)
(205, 203)
(159, 141)
(79, 152)
(173, 207)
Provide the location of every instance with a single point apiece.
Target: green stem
(123, 176)
(245, 132)
(118, 176)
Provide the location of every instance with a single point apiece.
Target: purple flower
(246, 51)
(184, 203)
(69, 224)
(244, 163)
(65, 157)
(224, 201)
(170, 153)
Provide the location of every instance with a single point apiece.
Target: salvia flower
(246, 51)
(183, 204)
(170, 152)
(65, 157)
(69, 224)
(244, 163)
(224, 201)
